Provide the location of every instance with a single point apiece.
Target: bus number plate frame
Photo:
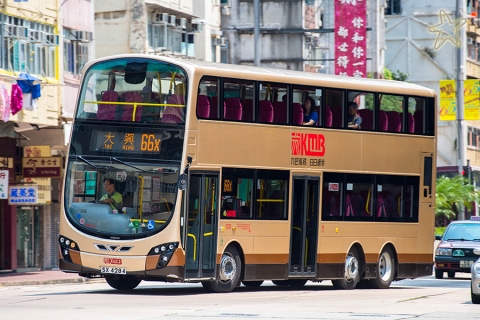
(113, 270)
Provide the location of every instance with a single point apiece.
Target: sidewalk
(42, 277)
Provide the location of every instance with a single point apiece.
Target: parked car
(475, 287)
(455, 251)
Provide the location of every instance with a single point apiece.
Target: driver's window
(85, 186)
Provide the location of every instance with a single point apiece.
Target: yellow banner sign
(471, 93)
(448, 104)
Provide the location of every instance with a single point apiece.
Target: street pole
(256, 31)
(460, 13)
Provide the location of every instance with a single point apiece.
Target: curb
(43, 282)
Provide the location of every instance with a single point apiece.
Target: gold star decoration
(443, 35)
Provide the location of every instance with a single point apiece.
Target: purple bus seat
(232, 109)
(297, 114)
(279, 112)
(367, 118)
(394, 121)
(247, 110)
(382, 121)
(265, 114)
(127, 112)
(107, 111)
(328, 117)
(173, 114)
(203, 107)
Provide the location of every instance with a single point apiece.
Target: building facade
(48, 41)
(414, 47)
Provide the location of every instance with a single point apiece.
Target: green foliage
(452, 192)
(390, 102)
(439, 231)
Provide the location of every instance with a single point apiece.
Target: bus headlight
(66, 245)
(164, 252)
(443, 252)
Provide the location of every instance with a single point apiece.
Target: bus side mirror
(182, 182)
(438, 237)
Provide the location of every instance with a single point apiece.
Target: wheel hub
(351, 267)
(228, 268)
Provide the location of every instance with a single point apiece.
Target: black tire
(451, 274)
(228, 274)
(352, 266)
(475, 298)
(123, 284)
(252, 283)
(438, 274)
(385, 270)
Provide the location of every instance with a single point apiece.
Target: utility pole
(256, 31)
(460, 13)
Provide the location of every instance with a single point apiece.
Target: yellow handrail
(194, 245)
(135, 104)
(140, 197)
(145, 220)
(270, 200)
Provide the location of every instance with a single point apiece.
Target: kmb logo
(112, 261)
(308, 144)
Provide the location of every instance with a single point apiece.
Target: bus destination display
(125, 141)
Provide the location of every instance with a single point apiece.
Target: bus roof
(287, 76)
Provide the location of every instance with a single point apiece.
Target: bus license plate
(465, 264)
(113, 270)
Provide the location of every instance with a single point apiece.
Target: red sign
(351, 38)
(308, 144)
(112, 261)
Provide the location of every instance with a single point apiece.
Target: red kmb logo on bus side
(308, 144)
(112, 261)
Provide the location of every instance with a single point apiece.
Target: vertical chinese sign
(471, 99)
(3, 184)
(350, 38)
(448, 100)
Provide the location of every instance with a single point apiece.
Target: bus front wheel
(228, 273)
(123, 283)
(351, 273)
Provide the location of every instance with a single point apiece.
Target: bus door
(303, 234)
(201, 225)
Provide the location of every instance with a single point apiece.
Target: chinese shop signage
(26, 194)
(42, 167)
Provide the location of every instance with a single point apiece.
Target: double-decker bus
(187, 171)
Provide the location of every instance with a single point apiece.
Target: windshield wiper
(132, 166)
(88, 162)
(461, 239)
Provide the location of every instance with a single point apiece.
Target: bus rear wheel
(228, 273)
(351, 273)
(122, 283)
(385, 270)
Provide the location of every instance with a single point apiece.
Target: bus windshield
(118, 197)
(134, 90)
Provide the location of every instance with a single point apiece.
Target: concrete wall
(112, 27)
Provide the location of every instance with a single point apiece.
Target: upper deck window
(134, 90)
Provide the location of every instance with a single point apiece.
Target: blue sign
(151, 225)
(26, 194)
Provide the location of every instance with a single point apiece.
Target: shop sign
(26, 194)
(44, 189)
(42, 167)
(36, 151)
(3, 184)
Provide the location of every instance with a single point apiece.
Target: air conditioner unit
(222, 42)
(18, 32)
(35, 36)
(225, 11)
(308, 40)
(196, 27)
(83, 36)
(49, 39)
(161, 17)
(172, 20)
(182, 22)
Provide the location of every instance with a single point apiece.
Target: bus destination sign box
(103, 140)
(42, 167)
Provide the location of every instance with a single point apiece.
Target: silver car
(475, 288)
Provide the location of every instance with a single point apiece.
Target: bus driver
(112, 197)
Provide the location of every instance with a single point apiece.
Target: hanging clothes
(16, 99)
(4, 101)
(29, 84)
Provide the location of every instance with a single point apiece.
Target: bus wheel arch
(229, 272)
